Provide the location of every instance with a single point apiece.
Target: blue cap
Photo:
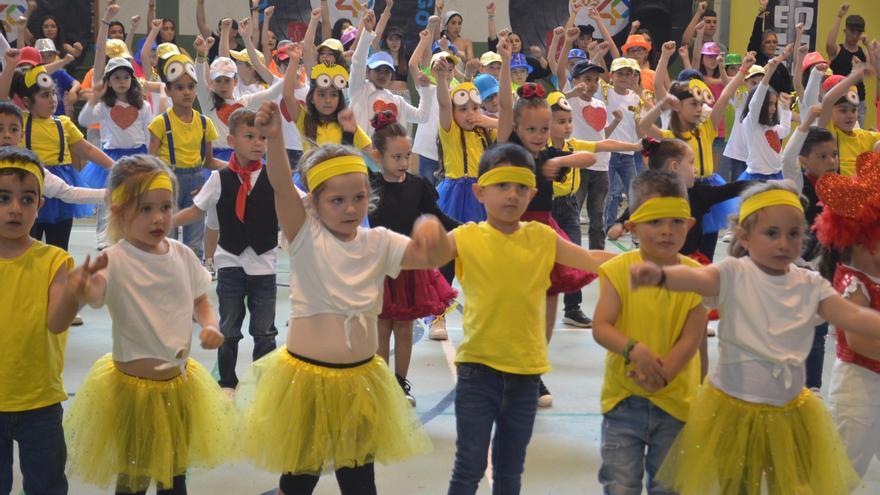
(688, 74)
(518, 61)
(380, 59)
(487, 85)
(435, 48)
(576, 53)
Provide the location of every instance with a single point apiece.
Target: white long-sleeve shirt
(763, 158)
(54, 187)
(737, 148)
(791, 168)
(363, 95)
(811, 92)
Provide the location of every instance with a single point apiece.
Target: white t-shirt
(113, 134)
(292, 139)
(588, 122)
(330, 276)
(628, 104)
(150, 298)
(766, 330)
(737, 148)
(251, 262)
(765, 142)
(425, 142)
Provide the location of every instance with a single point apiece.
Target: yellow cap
(165, 50)
(625, 63)
(117, 48)
(242, 56)
(489, 57)
(333, 44)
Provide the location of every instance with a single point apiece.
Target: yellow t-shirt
(453, 158)
(572, 180)
(187, 139)
(44, 138)
(504, 307)
(329, 132)
(851, 145)
(33, 357)
(702, 137)
(654, 316)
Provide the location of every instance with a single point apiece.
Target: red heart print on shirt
(596, 117)
(226, 110)
(381, 106)
(123, 116)
(773, 140)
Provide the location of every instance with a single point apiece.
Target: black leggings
(178, 487)
(359, 480)
(57, 234)
(448, 271)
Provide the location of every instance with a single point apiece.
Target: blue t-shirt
(63, 83)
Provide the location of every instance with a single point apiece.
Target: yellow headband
(29, 167)
(774, 197)
(500, 175)
(160, 181)
(322, 172)
(657, 208)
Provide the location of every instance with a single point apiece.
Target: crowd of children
(262, 145)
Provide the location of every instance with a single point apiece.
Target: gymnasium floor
(563, 456)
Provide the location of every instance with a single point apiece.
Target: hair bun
(649, 146)
(531, 91)
(383, 119)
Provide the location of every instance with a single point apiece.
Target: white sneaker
(438, 329)
(728, 236)
(77, 321)
(545, 398)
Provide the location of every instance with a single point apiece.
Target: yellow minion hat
(465, 92)
(177, 66)
(37, 76)
(330, 75)
(557, 98)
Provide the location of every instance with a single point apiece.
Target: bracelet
(743, 71)
(627, 349)
(254, 9)
(662, 282)
(105, 22)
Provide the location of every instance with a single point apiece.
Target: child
(326, 400)
(504, 351)
(848, 228)
(403, 197)
(53, 139)
(565, 206)
(166, 414)
(755, 412)
(487, 85)
(766, 122)
(324, 117)
(736, 151)
(462, 141)
(241, 199)
(39, 311)
(650, 371)
(183, 138)
(840, 107)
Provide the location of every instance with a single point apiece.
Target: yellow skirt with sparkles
(139, 429)
(730, 447)
(304, 418)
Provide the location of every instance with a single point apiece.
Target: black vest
(260, 227)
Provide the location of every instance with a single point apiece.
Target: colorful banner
(615, 15)
(9, 12)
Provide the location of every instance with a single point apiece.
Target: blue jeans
(622, 167)
(485, 397)
(638, 162)
(189, 181)
(636, 435)
(428, 168)
(42, 452)
(234, 287)
(565, 212)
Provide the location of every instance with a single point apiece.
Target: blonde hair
(133, 173)
(320, 154)
(736, 249)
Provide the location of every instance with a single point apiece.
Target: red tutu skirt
(563, 279)
(416, 294)
(705, 261)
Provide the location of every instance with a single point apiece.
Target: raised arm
(692, 26)
(24, 34)
(831, 47)
(225, 32)
(245, 29)
(839, 89)
(647, 126)
(661, 75)
(101, 41)
(202, 24)
(490, 15)
(571, 35)
(576, 7)
(288, 204)
(358, 79)
(264, 32)
(255, 22)
(505, 95)
(147, 48)
(382, 24)
(129, 36)
(203, 90)
(558, 36)
(326, 27)
(696, 50)
(685, 57)
(417, 59)
(291, 81)
(797, 69)
(790, 165)
(151, 12)
(758, 27)
(11, 58)
(720, 108)
(606, 35)
(443, 71)
(310, 52)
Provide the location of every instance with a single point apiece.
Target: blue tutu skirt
(95, 176)
(717, 218)
(458, 201)
(756, 177)
(55, 210)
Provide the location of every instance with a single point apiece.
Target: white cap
(117, 63)
(45, 45)
(223, 66)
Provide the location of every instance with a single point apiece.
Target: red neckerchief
(244, 173)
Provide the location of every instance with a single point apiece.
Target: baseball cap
(585, 66)
(29, 55)
(625, 63)
(116, 48)
(688, 74)
(487, 85)
(577, 53)
(380, 59)
(117, 63)
(812, 59)
(223, 66)
(489, 58)
(518, 61)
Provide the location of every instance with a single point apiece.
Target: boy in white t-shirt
(243, 202)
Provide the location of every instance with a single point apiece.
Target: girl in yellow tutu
(754, 426)
(148, 411)
(326, 401)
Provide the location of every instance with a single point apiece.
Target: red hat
(831, 81)
(852, 206)
(29, 55)
(812, 59)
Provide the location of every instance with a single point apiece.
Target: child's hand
(647, 274)
(490, 9)
(80, 280)
(424, 35)
(683, 51)
(617, 114)
(616, 231)
(316, 15)
(669, 102)
(295, 52)
(135, 21)
(244, 27)
(785, 100)
(472, 66)
(551, 168)
(347, 121)
(536, 51)
(422, 80)
(593, 13)
(648, 367)
(201, 45)
(572, 34)
(111, 11)
(433, 21)
(226, 24)
(504, 49)
(428, 233)
(13, 55)
(369, 20)
(642, 381)
(210, 337)
(748, 61)
(268, 120)
(668, 48)
(701, 7)
(444, 43)
(98, 90)
(701, 28)
(558, 32)
(156, 25)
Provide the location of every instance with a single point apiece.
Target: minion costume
(460, 157)
(134, 429)
(327, 76)
(50, 140)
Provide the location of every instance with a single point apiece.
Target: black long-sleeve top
(401, 203)
(781, 79)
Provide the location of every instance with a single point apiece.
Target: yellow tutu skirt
(302, 418)
(139, 429)
(730, 447)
